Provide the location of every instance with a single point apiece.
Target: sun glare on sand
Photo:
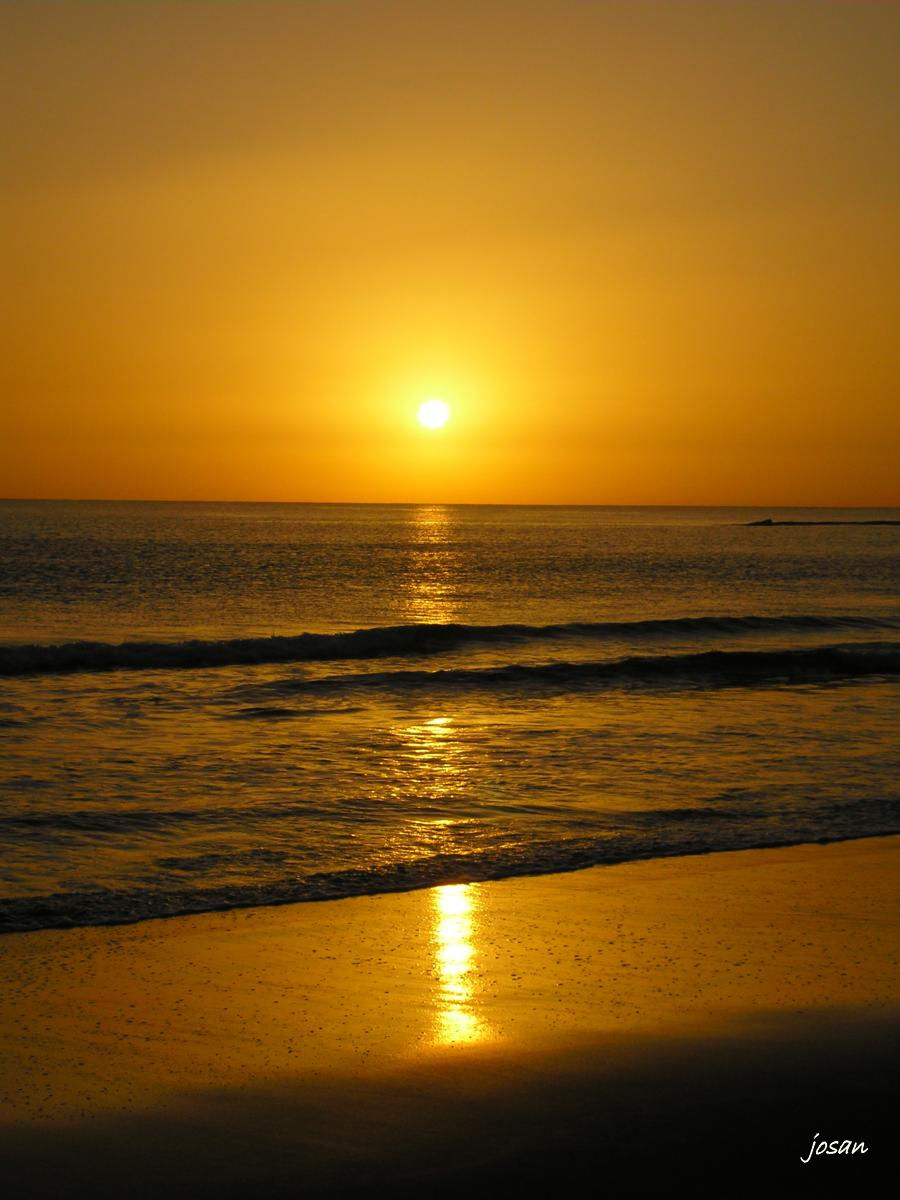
(434, 413)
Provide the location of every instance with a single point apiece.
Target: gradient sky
(647, 251)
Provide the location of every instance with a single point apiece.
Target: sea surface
(205, 706)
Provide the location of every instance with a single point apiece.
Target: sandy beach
(656, 1019)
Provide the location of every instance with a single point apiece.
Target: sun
(434, 413)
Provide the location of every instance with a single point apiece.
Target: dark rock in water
(769, 521)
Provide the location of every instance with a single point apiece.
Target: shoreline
(489, 875)
(464, 1033)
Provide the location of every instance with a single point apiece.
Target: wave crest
(388, 641)
(709, 668)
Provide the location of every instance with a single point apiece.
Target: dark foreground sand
(695, 1019)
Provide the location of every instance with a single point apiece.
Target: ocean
(206, 706)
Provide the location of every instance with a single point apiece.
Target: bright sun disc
(434, 413)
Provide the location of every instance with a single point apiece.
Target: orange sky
(647, 251)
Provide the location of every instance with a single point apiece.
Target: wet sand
(700, 1018)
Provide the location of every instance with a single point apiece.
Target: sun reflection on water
(431, 585)
(431, 759)
(434, 765)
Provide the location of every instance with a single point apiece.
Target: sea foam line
(62, 910)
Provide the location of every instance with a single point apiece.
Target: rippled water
(211, 705)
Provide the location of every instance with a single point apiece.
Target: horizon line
(424, 503)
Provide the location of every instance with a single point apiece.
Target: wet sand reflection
(457, 1019)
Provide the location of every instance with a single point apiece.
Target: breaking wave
(709, 668)
(390, 641)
